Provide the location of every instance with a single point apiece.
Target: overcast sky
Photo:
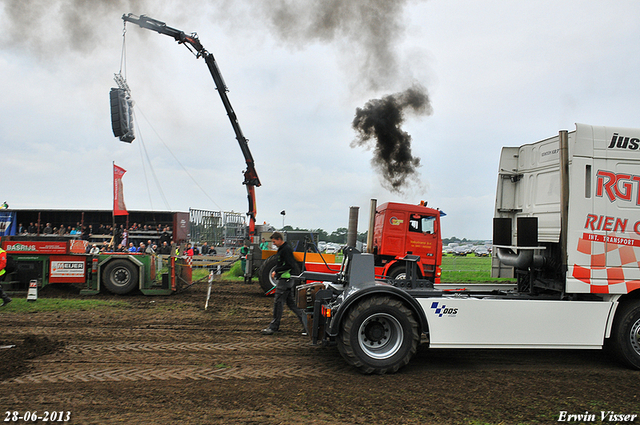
(497, 73)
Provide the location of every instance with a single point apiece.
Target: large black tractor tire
(265, 280)
(625, 335)
(120, 277)
(379, 335)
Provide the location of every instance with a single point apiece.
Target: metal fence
(217, 228)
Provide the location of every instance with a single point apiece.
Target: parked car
(447, 250)
(461, 251)
(481, 252)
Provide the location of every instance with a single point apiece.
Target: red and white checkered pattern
(610, 264)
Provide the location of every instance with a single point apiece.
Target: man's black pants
(284, 294)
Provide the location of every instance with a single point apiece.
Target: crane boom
(191, 41)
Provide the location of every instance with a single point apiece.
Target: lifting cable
(144, 169)
(177, 160)
(123, 53)
(153, 172)
(122, 83)
(119, 79)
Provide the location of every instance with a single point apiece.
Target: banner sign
(36, 247)
(67, 269)
(7, 223)
(78, 246)
(119, 207)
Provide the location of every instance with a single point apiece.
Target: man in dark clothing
(244, 251)
(86, 232)
(285, 268)
(165, 236)
(165, 249)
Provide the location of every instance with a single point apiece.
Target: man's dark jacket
(286, 261)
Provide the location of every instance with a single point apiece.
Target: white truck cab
(603, 204)
(566, 226)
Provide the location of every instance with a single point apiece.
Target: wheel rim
(380, 336)
(121, 276)
(401, 276)
(634, 335)
(271, 278)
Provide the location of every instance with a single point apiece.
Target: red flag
(119, 208)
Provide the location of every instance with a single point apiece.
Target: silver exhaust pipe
(524, 259)
(372, 222)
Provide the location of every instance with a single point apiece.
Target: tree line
(338, 236)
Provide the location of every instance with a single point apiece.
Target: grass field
(467, 269)
(454, 269)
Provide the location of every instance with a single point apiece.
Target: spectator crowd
(136, 238)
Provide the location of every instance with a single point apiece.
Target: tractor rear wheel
(120, 277)
(379, 335)
(265, 280)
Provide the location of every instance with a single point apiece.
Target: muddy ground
(165, 360)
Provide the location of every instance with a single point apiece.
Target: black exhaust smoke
(364, 31)
(54, 27)
(378, 125)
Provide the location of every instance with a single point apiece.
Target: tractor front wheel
(379, 335)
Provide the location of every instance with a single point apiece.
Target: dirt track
(163, 360)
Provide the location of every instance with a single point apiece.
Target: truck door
(422, 237)
(393, 236)
(608, 251)
(585, 253)
(620, 179)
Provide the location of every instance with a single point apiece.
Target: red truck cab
(398, 230)
(401, 229)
